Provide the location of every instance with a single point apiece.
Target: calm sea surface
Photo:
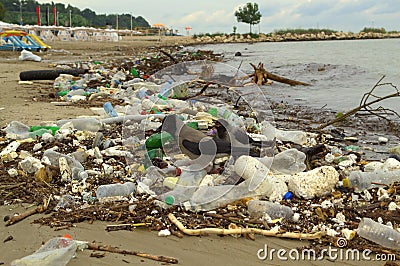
(340, 71)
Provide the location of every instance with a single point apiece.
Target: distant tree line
(10, 12)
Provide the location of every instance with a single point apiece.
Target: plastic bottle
(57, 251)
(363, 180)
(185, 187)
(298, 137)
(53, 129)
(289, 162)
(109, 109)
(379, 233)
(112, 190)
(76, 92)
(157, 140)
(166, 89)
(257, 209)
(257, 178)
(88, 124)
(232, 118)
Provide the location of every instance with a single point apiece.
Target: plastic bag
(29, 56)
(57, 251)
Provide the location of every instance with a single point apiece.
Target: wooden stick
(22, 216)
(222, 231)
(94, 246)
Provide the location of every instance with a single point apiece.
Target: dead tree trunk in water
(261, 76)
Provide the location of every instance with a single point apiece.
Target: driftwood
(96, 247)
(241, 231)
(366, 105)
(39, 209)
(262, 76)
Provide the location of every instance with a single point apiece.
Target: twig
(94, 246)
(364, 104)
(222, 231)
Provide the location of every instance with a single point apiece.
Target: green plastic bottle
(52, 128)
(157, 140)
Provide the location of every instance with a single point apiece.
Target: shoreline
(26, 104)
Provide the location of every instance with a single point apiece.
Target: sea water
(340, 72)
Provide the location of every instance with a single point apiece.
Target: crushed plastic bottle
(295, 136)
(288, 162)
(78, 171)
(113, 190)
(379, 233)
(258, 208)
(364, 180)
(85, 124)
(57, 251)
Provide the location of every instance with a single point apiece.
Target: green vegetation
(303, 31)
(375, 30)
(79, 17)
(248, 14)
(2, 11)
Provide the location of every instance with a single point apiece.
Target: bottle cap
(346, 182)
(170, 200)
(288, 195)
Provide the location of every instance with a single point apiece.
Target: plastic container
(113, 190)
(258, 208)
(298, 137)
(109, 109)
(84, 124)
(379, 233)
(363, 180)
(289, 162)
(157, 140)
(257, 178)
(186, 185)
(57, 251)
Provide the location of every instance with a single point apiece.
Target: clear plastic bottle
(257, 209)
(57, 251)
(363, 180)
(289, 162)
(379, 233)
(232, 118)
(295, 136)
(85, 124)
(186, 185)
(113, 190)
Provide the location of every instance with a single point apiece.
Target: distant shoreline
(290, 37)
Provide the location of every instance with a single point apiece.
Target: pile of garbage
(120, 166)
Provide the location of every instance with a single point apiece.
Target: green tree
(2, 11)
(248, 14)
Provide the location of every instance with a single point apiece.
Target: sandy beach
(31, 104)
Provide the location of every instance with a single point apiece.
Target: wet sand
(22, 103)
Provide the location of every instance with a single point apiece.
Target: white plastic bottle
(364, 180)
(113, 190)
(85, 124)
(257, 178)
(379, 233)
(295, 136)
(258, 208)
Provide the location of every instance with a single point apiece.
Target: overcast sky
(218, 15)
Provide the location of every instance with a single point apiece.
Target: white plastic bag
(57, 251)
(29, 56)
